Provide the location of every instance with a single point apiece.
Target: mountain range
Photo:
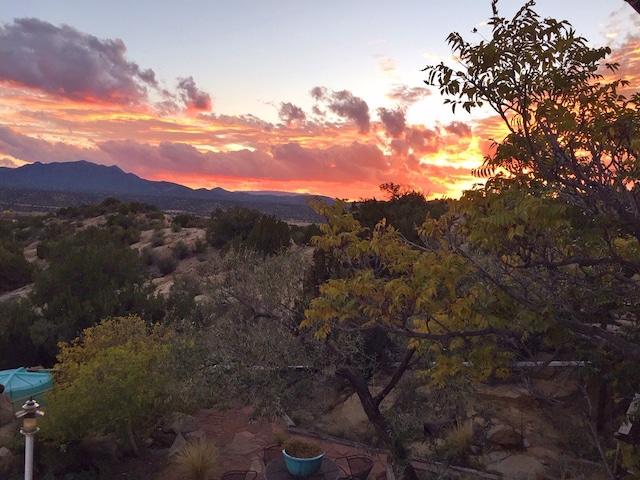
(81, 180)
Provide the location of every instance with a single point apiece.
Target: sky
(298, 96)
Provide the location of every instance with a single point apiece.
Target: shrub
(197, 460)
(166, 264)
(200, 246)
(113, 378)
(180, 250)
(457, 440)
(157, 240)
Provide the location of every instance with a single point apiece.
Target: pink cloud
(65, 62)
(192, 96)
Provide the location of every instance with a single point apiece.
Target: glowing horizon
(338, 129)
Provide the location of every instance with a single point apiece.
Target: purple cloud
(192, 96)
(345, 105)
(408, 96)
(393, 120)
(458, 128)
(291, 114)
(65, 62)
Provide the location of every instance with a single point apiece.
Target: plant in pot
(302, 458)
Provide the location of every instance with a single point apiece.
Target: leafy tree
(547, 251)
(15, 270)
(252, 330)
(560, 213)
(302, 235)
(422, 304)
(405, 209)
(16, 317)
(188, 221)
(117, 377)
(241, 227)
(268, 235)
(231, 226)
(91, 276)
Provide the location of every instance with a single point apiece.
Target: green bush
(15, 270)
(233, 225)
(268, 235)
(115, 378)
(180, 250)
(157, 239)
(166, 264)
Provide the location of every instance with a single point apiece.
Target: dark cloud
(63, 61)
(458, 128)
(345, 105)
(291, 114)
(408, 96)
(393, 120)
(192, 96)
(423, 140)
(400, 146)
(318, 93)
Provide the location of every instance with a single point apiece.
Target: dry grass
(198, 460)
(458, 438)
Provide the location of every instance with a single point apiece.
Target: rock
(433, 429)
(101, 447)
(505, 436)
(197, 436)
(480, 422)
(5, 454)
(495, 457)
(511, 394)
(243, 443)
(518, 467)
(178, 444)
(557, 388)
(163, 439)
(182, 423)
(545, 455)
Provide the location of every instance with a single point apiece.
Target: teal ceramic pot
(302, 467)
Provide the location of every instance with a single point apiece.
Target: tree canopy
(559, 213)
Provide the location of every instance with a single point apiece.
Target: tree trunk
(399, 456)
(132, 439)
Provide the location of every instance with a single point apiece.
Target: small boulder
(505, 436)
(179, 443)
(519, 467)
(181, 423)
(5, 454)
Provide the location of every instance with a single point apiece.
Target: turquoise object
(302, 467)
(20, 384)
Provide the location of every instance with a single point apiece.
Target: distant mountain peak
(83, 176)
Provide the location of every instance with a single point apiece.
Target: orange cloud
(116, 114)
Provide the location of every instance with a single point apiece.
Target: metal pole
(28, 455)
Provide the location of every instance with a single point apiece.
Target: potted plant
(302, 458)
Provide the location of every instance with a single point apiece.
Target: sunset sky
(300, 96)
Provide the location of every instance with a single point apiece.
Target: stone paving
(240, 442)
